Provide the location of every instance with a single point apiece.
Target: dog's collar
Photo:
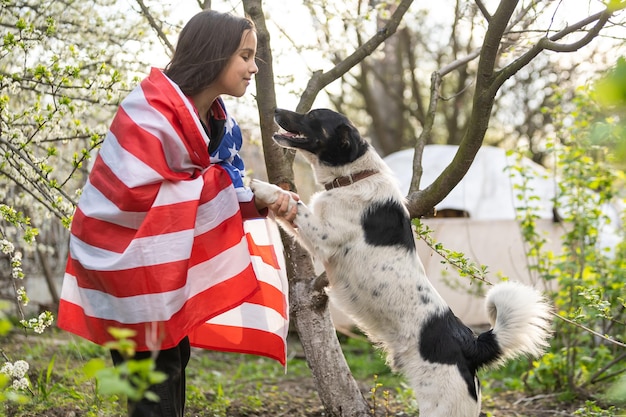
(348, 179)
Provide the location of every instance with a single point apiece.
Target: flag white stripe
(144, 251)
(95, 205)
(178, 192)
(266, 273)
(252, 316)
(127, 167)
(210, 214)
(157, 306)
(148, 118)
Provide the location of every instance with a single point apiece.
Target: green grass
(227, 385)
(216, 381)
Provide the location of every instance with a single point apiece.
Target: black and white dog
(360, 229)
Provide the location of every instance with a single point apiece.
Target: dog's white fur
(383, 287)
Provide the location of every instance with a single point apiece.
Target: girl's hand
(280, 207)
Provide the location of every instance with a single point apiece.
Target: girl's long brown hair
(204, 47)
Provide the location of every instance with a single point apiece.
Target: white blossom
(22, 297)
(18, 373)
(40, 323)
(20, 384)
(6, 247)
(20, 368)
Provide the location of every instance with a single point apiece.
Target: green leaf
(91, 368)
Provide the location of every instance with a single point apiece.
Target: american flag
(158, 244)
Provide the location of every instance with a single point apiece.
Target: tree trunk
(336, 386)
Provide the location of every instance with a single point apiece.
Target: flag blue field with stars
(227, 156)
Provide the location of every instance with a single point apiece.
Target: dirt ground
(297, 399)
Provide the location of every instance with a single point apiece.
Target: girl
(157, 242)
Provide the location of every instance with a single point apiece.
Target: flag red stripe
(130, 282)
(228, 233)
(238, 339)
(110, 236)
(137, 199)
(265, 252)
(117, 238)
(269, 296)
(218, 178)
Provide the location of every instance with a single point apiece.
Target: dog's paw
(266, 192)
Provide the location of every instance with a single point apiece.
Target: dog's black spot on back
(445, 339)
(385, 223)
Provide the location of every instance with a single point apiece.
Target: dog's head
(324, 133)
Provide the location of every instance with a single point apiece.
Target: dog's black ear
(350, 141)
(345, 133)
(349, 135)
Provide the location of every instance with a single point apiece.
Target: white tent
(486, 191)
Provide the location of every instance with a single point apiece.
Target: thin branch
(321, 79)
(551, 42)
(587, 329)
(418, 170)
(550, 45)
(155, 25)
(483, 10)
(458, 63)
(595, 378)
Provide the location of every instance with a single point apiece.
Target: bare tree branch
(321, 79)
(454, 65)
(551, 42)
(483, 10)
(424, 138)
(156, 26)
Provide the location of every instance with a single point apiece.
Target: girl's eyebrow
(250, 50)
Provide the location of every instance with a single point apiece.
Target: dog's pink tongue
(283, 132)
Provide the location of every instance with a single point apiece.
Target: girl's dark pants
(171, 392)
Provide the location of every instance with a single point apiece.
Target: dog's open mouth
(289, 136)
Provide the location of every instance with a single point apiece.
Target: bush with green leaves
(588, 273)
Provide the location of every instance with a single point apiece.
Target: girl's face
(237, 74)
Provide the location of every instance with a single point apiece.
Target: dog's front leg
(268, 193)
(309, 232)
(321, 237)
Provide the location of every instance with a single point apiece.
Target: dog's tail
(520, 319)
